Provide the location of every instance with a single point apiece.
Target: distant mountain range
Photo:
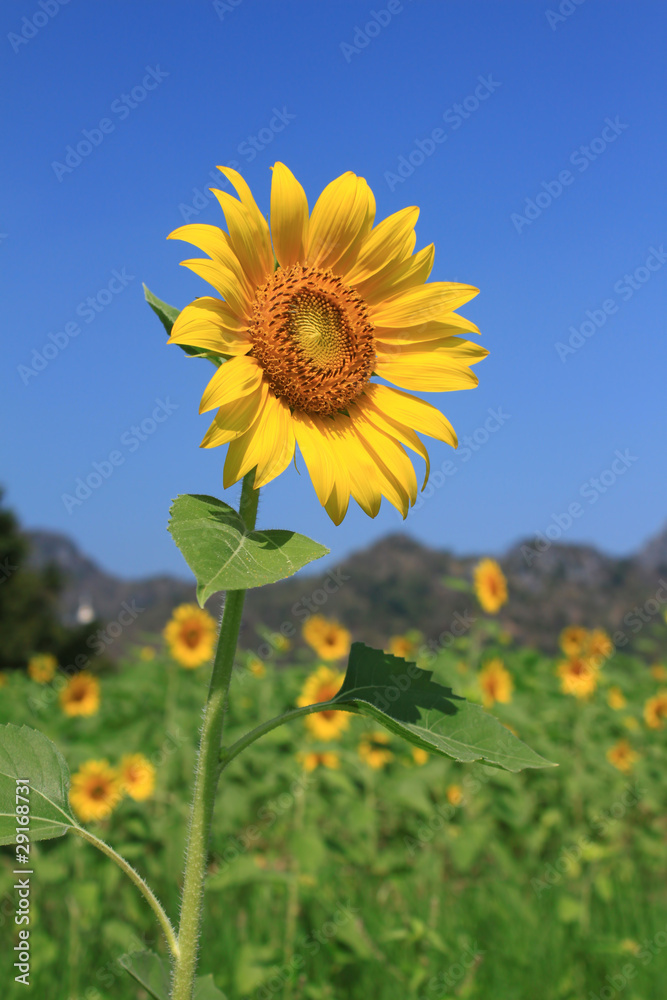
(392, 586)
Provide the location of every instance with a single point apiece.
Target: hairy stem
(145, 889)
(207, 774)
(228, 754)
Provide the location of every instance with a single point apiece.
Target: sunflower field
(345, 863)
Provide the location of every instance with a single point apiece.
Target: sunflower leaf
(168, 315)
(224, 555)
(29, 755)
(149, 970)
(407, 701)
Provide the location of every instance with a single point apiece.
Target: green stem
(207, 774)
(145, 889)
(228, 754)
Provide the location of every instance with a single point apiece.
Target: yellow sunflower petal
(395, 429)
(450, 325)
(277, 433)
(397, 276)
(224, 282)
(233, 380)
(214, 242)
(386, 243)
(398, 482)
(247, 238)
(289, 217)
(422, 304)
(209, 324)
(426, 373)
(337, 220)
(235, 418)
(259, 223)
(316, 454)
(413, 412)
(458, 350)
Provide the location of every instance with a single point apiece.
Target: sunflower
(598, 645)
(81, 695)
(658, 672)
(496, 683)
(490, 585)
(96, 790)
(312, 308)
(419, 755)
(373, 749)
(147, 653)
(42, 668)
(327, 758)
(573, 639)
(655, 710)
(616, 699)
(622, 756)
(191, 635)
(328, 638)
(578, 676)
(137, 776)
(454, 795)
(322, 685)
(256, 667)
(403, 646)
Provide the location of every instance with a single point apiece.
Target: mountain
(392, 586)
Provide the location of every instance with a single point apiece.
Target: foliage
(354, 881)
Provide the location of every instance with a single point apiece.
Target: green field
(360, 882)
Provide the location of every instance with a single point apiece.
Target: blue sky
(520, 92)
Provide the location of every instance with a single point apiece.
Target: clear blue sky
(324, 97)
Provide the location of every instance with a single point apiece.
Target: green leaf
(407, 701)
(224, 555)
(205, 989)
(167, 315)
(149, 970)
(26, 753)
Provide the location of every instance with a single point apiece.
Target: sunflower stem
(227, 754)
(142, 886)
(207, 774)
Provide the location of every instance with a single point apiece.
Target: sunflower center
(191, 635)
(98, 790)
(313, 337)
